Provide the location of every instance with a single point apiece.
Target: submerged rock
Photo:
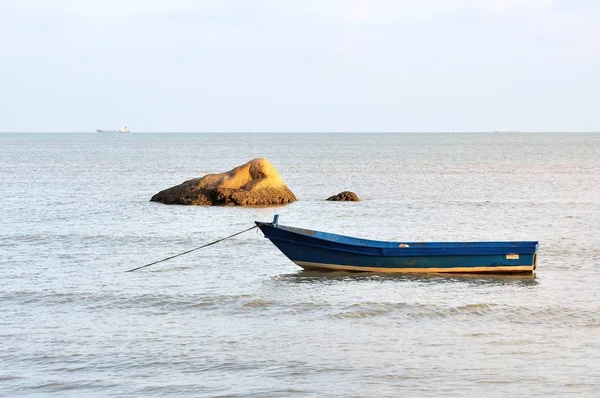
(255, 183)
(345, 196)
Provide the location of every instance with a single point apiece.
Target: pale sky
(300, 65)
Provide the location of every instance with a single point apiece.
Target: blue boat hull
(324, 251)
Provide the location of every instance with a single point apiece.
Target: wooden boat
(315, 250)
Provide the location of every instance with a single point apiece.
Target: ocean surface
(238, 319)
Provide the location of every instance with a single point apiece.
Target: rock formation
(345, 196)
(256, 183)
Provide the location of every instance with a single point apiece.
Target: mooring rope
(197, 248)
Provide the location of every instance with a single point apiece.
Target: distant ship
(121, 130)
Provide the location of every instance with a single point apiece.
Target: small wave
(558, 317)
(58, 386)
(471, 309)
(95, 301)
(257, 303)
(412, 311)
(10, 378)
(369, 309)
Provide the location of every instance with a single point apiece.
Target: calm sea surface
(238, 319)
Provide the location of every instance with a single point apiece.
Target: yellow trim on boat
(498, 269)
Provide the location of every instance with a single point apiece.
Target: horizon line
(303, 132)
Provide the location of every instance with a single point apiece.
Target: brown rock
(345, 196)
(256, 183)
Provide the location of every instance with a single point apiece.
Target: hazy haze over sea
(240, 320)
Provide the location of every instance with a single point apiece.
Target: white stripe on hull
(498, 269)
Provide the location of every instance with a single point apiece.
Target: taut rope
(189, 251)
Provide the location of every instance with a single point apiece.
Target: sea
(238, 319)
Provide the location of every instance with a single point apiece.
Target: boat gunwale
(347, 242)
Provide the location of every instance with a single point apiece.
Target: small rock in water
(345, 196)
